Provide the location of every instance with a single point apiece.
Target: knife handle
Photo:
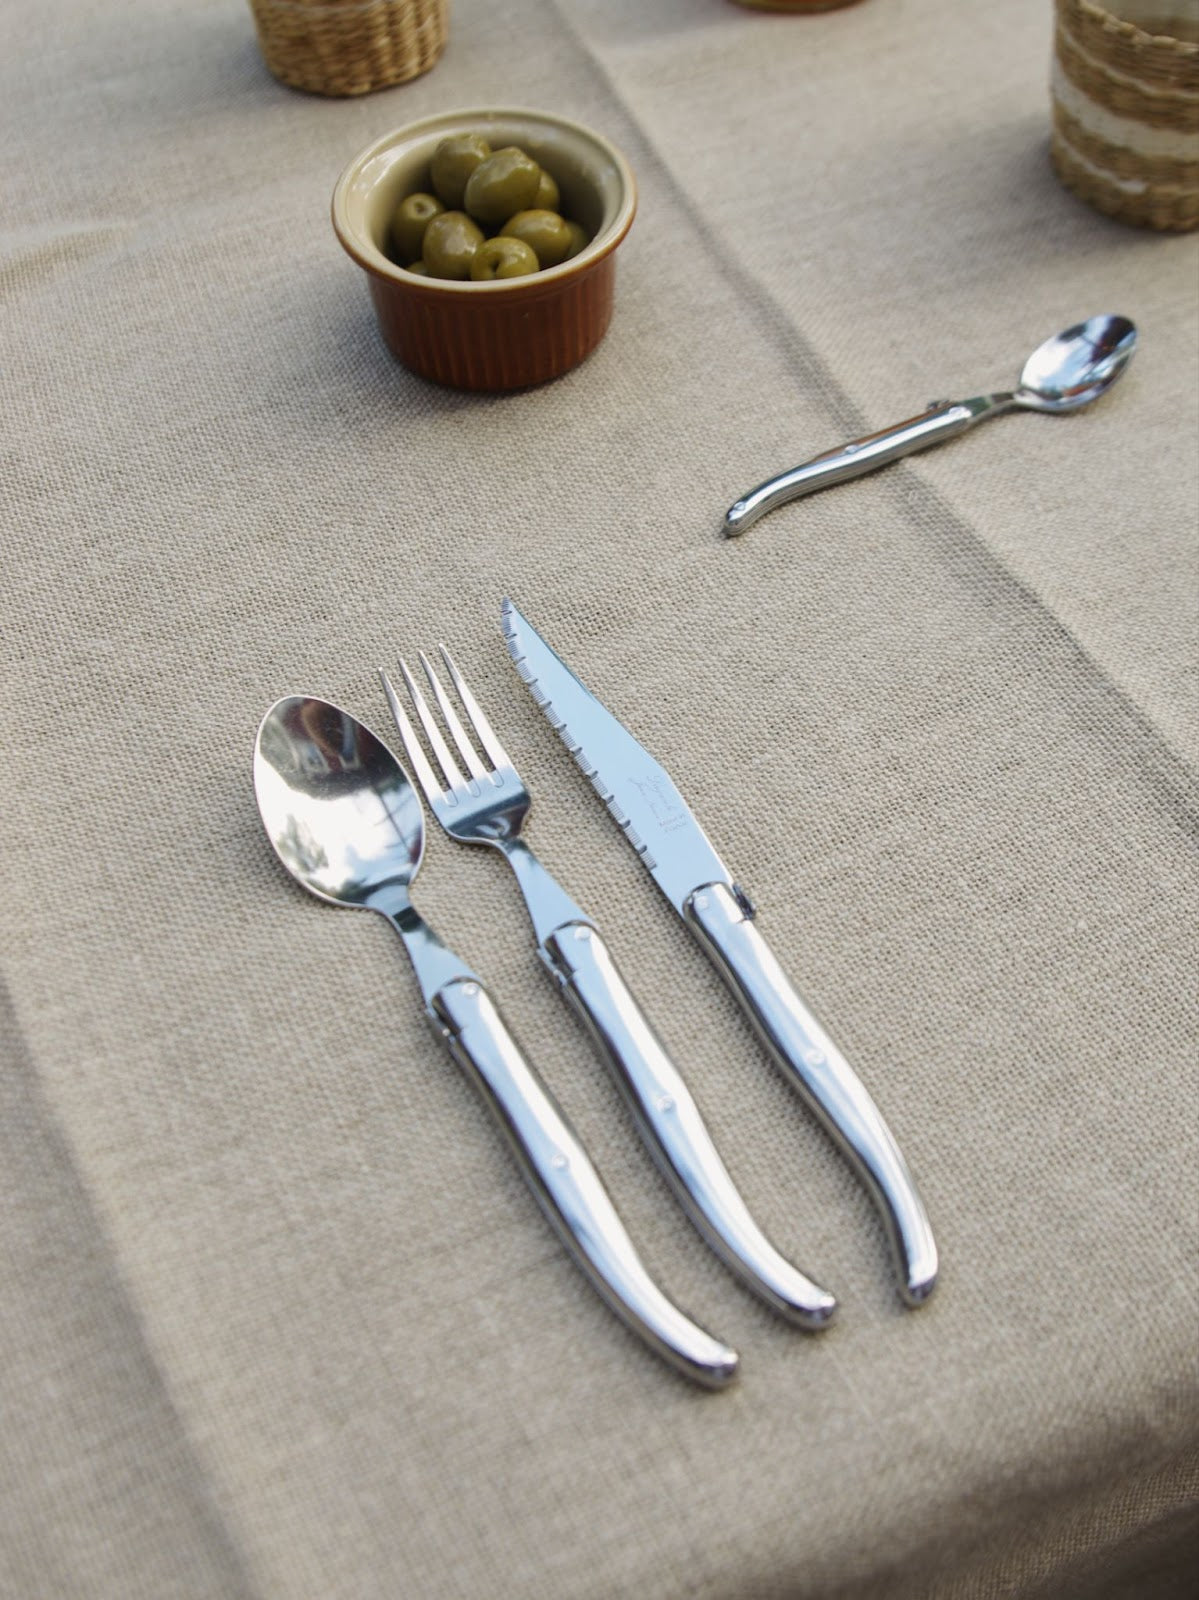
(821, 1073)
(567, 1186)
(672, 1126)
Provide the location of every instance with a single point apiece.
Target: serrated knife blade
(639, 793)
(683, 862)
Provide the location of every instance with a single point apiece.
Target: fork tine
(457, 731)
(453, 774)
(494, 750)
(427, 778)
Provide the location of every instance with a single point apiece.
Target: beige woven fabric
(278, 1318)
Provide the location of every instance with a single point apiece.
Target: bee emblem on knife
(663, 804)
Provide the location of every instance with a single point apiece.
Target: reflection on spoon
(1063, 374)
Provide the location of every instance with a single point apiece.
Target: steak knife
(683, 862)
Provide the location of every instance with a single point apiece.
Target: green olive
(502, 185)
(578, 240)
(413, 216)
(543, 231)
(451, 240)
(453, 162)
(418, 267)
(502, 258)
(548, 196)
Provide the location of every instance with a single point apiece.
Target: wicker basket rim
(1165, 42)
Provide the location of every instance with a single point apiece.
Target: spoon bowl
(337, 806)
(1075, 367)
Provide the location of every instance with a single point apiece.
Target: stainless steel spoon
(1066, 372)
(346, 822)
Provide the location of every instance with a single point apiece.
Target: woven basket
(1125, 133)
(349, 46)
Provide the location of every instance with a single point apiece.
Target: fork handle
(672, 1126)
(821, 1073)
(567, 1186)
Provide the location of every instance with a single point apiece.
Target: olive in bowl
(491, 333)
(453, 161)
(502, 257)
(449, 245)
(413, 216)
(547, 234)
(507, 182)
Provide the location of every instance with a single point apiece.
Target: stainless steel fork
(487, 805)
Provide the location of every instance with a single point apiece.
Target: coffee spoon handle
(567, 1186)
(943, 420)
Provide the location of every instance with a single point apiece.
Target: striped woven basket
(1125, 131)
(349, 46)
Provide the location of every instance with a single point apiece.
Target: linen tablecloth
(278, 1317)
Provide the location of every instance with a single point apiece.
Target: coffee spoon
(1063, 374)
(345, 820)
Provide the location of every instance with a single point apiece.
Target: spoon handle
(943, 420)
(567, 1186)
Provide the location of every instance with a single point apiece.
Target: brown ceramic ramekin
(509, 333)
